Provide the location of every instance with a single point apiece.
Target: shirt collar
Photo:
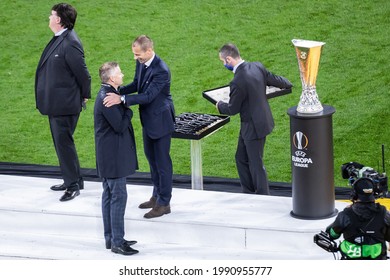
(60, 32)
(110, 86)
(238, 64)
(147, 63)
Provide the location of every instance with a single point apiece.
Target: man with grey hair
(248, 98)
(116, 158)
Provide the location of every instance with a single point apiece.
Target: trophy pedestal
(312, 164)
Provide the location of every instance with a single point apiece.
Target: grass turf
(353, 73)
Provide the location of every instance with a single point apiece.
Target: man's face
(54, 21)
(140, 55)
(226, 61)
(117, 76)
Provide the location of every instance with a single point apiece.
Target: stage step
(202, 225)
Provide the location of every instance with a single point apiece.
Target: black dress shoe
(124, 250)
(127, 242)
(61, 187)
(69, 195)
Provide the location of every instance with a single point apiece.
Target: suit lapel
(141, 83)
(241, 66)
(139, 74)
(52, 48)
(146, 75)
(144, 79)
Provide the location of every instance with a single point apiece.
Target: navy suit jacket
(62, 79)
(114, 138)
(156, 108)
(248, 98)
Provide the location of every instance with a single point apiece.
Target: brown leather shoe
(148, 204)
(158, 211)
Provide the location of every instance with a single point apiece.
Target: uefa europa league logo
(300, 140)
(308, 54)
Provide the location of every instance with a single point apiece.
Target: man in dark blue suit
(248, 98)
(116, 158)
(62, 85)
(152, 81)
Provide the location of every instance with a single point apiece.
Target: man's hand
(111, 99)
(84, 103)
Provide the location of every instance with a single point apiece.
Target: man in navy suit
(62, 85)
(116, 158)
(152, 81)
(248, 98)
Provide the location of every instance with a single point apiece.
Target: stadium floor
(219, 224)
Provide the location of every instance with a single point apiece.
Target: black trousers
(62, 129)
(250, 167)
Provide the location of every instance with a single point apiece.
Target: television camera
(324, 241)
(354, 170)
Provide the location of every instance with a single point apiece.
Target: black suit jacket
(62, 79)
(114, 138)
(156, 108)
(248, 98)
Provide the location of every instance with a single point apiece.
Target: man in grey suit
(116, 158)
(152, 82)
(248, 98)
(62, 86)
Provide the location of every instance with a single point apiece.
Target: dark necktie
(143, 71)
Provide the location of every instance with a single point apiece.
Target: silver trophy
(308, 54)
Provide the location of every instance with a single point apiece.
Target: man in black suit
(62, 85)
(116, 158)
(248, 98)
(152, 81)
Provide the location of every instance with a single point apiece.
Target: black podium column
(312, 164)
